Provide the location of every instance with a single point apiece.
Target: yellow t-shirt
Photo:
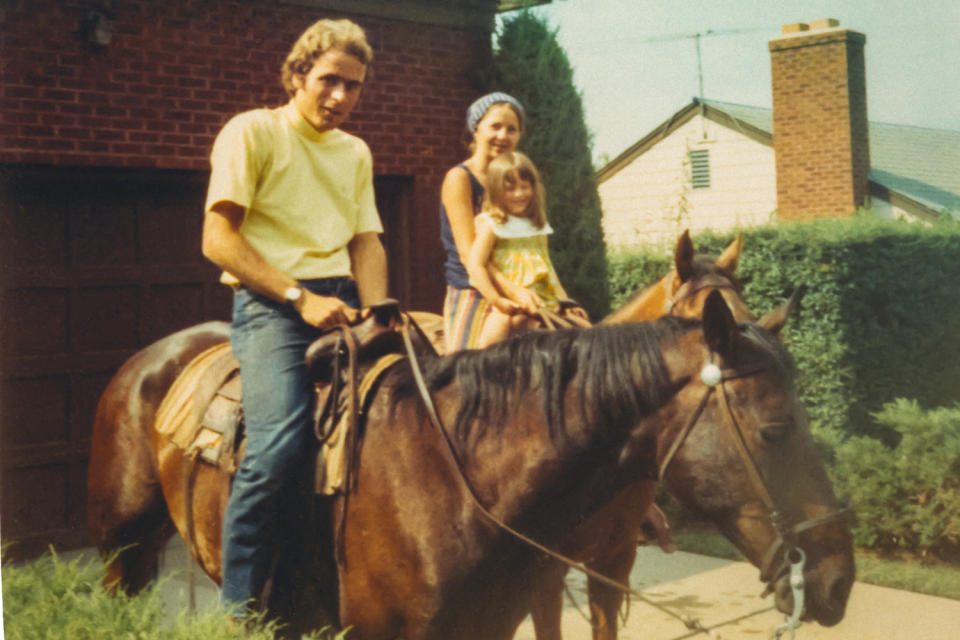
(306, 193)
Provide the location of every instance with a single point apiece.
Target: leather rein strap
(690, 623)
(455, 460)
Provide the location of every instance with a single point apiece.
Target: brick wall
(176, 70)
(819, 122)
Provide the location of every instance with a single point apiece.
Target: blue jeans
(269, 339)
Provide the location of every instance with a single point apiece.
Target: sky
(635, 61)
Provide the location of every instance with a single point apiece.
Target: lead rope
(691, 623)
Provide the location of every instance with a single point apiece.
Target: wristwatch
(294, 295)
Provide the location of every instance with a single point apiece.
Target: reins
(713, 377)
(450, 450)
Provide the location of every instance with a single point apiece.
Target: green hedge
(880, 318)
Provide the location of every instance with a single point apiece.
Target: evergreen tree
(530, 65)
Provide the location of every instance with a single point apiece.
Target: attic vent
(700, 169)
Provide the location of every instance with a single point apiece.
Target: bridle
(693, 286)
(786, 545)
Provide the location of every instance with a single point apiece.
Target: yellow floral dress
(521, 254)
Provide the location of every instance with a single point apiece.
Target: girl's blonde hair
(319, 38)
(502, 174)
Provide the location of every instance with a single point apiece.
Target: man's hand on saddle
(326, 312)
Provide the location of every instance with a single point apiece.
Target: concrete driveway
(723, 596)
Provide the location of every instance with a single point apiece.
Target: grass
(53, 599)
(943, 581)
(907, 573)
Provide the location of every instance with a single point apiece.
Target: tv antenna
(696, 39)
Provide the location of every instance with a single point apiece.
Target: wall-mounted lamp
(97, 29)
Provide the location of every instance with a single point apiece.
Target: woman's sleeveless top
(454, 271)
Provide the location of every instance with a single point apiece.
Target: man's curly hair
(319, 38)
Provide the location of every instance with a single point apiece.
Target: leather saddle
(203, 411)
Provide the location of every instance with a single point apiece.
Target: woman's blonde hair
(319, 38)
(502, 174)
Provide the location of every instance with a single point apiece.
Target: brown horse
(546, 429)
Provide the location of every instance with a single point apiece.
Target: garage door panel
(169, 308)
(170, 234)
(35, 234)
(104, 234)
(36, 323)
(107, 318)
(85, 392)
(36, 411)
(35, 499)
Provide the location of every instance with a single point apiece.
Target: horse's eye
(774, 432)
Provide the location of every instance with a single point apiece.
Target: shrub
(906, 496)
(52, 599)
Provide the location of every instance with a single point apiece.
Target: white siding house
(711, 166)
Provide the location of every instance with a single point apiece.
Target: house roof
(915, 168)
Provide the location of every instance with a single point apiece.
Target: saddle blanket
(202, 415)
(201, 412)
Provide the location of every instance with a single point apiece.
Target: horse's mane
(701, 267)
(621, 370)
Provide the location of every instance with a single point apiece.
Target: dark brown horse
(607, 542)
(547, 428)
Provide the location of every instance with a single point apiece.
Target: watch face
(293, 294)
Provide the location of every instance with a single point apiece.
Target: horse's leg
(126, 511)
(605, 600)
(622, 523)
(547, 608)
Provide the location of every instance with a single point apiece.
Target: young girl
(511, 237)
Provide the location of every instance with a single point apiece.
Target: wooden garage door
(95, 265)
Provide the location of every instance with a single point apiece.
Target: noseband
(713, 377)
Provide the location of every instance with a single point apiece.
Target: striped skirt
(463, 314)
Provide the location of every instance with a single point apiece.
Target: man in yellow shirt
(291, 219)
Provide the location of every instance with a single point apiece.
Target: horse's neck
(523, 478)
(650, 304)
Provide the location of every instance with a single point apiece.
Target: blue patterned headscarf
(481, 105)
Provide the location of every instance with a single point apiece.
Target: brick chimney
(819, 120)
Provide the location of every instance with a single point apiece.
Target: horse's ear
(719, 327)
(730, 258)
(683, 256)
(776, 319)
